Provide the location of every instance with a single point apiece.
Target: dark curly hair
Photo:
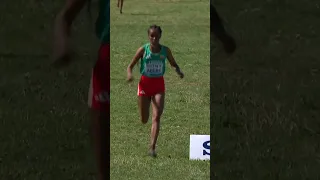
(155, 27)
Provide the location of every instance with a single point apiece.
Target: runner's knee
(144, 118)
(156, 115)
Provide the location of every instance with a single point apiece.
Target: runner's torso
(103, 22)
(153, 64)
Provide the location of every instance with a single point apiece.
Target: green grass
(266, 101)
(43, 115)
(185, 28)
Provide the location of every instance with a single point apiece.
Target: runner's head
(154, 34)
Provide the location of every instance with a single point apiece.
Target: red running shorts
(99, 90)
(150, 86)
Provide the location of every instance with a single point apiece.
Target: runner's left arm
(173, 63)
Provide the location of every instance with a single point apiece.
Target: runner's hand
(229, 44)
(129, 77)
(181, 75)
(61, 53)
(61, 60)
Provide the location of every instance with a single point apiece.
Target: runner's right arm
(62, 29)
(134, 61)
(216, 23)
(219, 31)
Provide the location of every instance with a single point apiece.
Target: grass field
(265, 98)
(185, 26)
(43, 115)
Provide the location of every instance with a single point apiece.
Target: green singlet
(153, 64)
(103, 22)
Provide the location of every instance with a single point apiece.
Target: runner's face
(154, 36)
